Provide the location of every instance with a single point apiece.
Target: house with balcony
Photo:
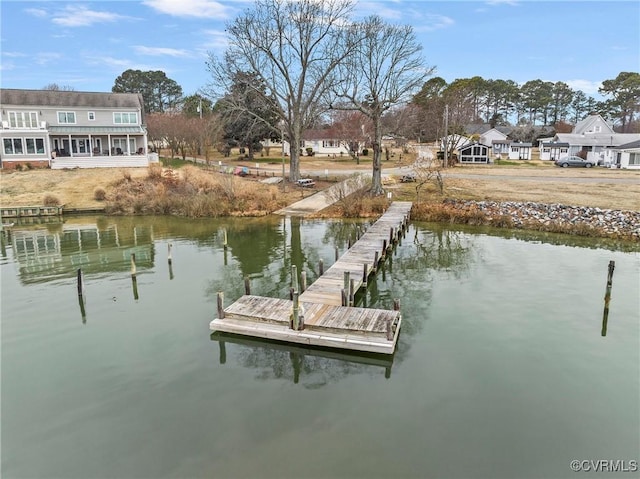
(70, 129)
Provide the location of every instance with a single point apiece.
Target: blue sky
(86, 45)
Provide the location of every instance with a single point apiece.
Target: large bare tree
(385, 69)
(294, 48)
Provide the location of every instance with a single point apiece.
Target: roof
(523, 144)
(629, 146)
(583, 126)
(597, 139)
(97, 130)
(557, 144)
(57, 98)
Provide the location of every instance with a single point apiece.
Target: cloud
(14, 54)
(81, 16)
(6, 66)
(160, 51)
(494, 3)
(44, 58)
(36, 12)
(380, 9)
(431, 22)
(190, 8)
(587, 86)
(217, 40)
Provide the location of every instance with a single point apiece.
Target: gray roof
(629, 146)
(56, 98)
(95, 130)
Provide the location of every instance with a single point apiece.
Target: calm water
(501, 368)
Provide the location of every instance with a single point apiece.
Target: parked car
(408, 178)
(241, 171)
(306, 183)
(573, 161)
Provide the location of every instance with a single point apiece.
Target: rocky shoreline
(556, 217)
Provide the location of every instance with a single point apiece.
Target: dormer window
(91, 116)
(597, 129)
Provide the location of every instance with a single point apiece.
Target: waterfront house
(71, 129)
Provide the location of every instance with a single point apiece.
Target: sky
(86, 45)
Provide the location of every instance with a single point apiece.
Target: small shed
(554, 150)
(474, 153)
(520, 151)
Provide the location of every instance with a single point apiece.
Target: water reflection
(309, 366)
(53, 251)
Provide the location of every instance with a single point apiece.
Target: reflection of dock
(354, 357)
(326, 321)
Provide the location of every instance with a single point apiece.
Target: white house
(592, 135)
(627, 156)
(489, 136)
(70, 129)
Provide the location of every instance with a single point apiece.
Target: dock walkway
(330, 320)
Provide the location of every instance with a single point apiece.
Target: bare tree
(294, 49)
(385, 69)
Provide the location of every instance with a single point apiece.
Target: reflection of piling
(133, 264)
(607, 298)
(321, 267)
(223, 352)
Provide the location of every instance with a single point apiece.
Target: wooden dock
(329, 317)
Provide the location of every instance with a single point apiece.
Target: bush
(365, 152)
(99, 194)
(50, 200)
(309, 151)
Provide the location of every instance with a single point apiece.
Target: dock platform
(329, 319)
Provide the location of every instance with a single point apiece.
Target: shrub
(99, 194)
(50, 200)
(365, 152)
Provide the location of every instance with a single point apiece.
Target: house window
(35, 145)
(66, 117)
(23, 119)
(13, 146)
(330, 143)
(546, 150)
(515, 149)
(634, 158)
(125, 118)
(597, 129)
(91, 115)
(563, 150)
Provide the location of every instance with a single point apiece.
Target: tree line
(292, 66)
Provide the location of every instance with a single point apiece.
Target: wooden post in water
(364, 275)
(321, 267)
(607, 298)
(133, 265)
(391, 236)
(247, 285)
(291, 291)
(376, 260)
(224, 240)
(81, 296)
(343, 296)
(170, 260)
(349, 243)
(384, 248)
(303, 281)
(396, 304)
(220, 301)
(337, 255)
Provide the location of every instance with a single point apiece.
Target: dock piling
(220, 305)
(321, 267)
(607, 297)
(303, 281)
(247, 285)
